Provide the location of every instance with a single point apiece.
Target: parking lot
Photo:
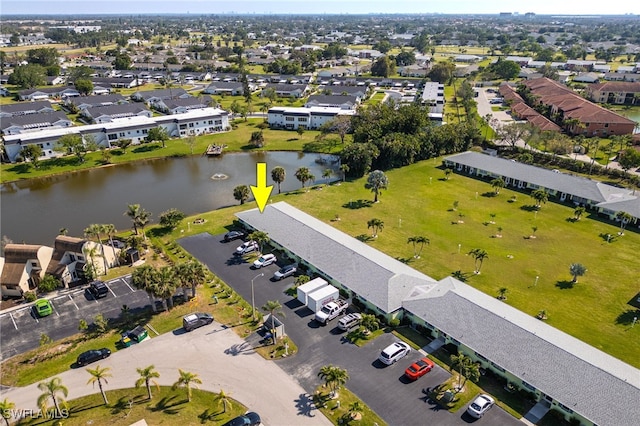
(383, 388)
(22, 328)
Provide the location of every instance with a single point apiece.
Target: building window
(480, 356)
(112, 137)
(121, 134)
(497, 367)
(528, 386)
(190, 124)
(183, 126)
(565, 408)
(289, 118)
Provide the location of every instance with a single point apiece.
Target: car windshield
(413, 369)
(475, 406)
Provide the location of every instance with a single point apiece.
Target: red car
(418, 369)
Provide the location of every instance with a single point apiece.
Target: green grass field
(168, 407)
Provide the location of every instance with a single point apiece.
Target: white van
(349, 321)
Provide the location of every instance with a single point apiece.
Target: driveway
(384, 389)
(217, 355)
(21, 327)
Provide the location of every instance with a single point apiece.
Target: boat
(214, 149)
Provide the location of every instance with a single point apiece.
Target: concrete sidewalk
(220, 358)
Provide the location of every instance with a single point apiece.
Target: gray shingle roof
(596, 385)
(578, 186)
(378, 278)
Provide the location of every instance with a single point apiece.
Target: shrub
(29, 296)
(395, 322)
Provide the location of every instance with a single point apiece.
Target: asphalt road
(220, 359)
(21, 327)
(384, 389)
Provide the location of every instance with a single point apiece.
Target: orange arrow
(261, 191)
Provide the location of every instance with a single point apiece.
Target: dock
(214, 149)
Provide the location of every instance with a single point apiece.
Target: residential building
(574, 113)
(94, 101)
(180, 106)
(522, 111)
(47, 93)
(601, 198)
(152, 96)
(68, 260)
(359, 92)
(287, 90)
(24, 108)
(33, 122)
(615, 92)
(306, 118)
(232, 88)
(577, 380)
(24, 267)
(433, 96)
(109, 113)
(332, 101)
(193, 122)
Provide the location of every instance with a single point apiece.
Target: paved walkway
(221, 359)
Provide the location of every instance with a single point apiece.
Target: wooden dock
(214, 150)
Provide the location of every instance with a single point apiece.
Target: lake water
(33, 211)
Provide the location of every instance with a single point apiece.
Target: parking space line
(114, 295)
(127, 284)
(54, 309)
(13, 321)
(74, 303)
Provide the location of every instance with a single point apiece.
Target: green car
(43, 307)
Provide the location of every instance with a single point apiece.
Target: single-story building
(293, 118)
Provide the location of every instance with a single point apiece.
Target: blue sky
(66, 7)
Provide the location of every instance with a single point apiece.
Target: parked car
(249, 419)
(394, 352)
(496, 101)
(43, 307)
(98, 289)
(349, 321)
(419, 368)
(234, 235)
(285, 271)
(92, 356)
(480, 405)
(247, 247)
(195, 320)
(264, 260)
(117, 244)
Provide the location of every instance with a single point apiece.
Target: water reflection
(35, 210)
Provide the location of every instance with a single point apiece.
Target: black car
(92, 356)
(98, 289)
(117, 244)
(249, 419)
(234, 235)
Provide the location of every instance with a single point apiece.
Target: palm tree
(541, 196)
(274, 308)
(146, 378)
(51, 389)
(165, 286)
(278, 175)
(333, 377)
(90, 268)
(376, 226)
(502, 293)
(96, 230)
(223, 399)
(326, 174)
(241, 193)
(497, 185)
(63, 231)
(139, 216)
(5, 408)
(577, 270)
(376, 182)
(97, 376)
(466, 368)
(417, 239)
(303, 174)
(370, 322)
(260, 237)
(187, 380)
(624, 218)
(479, 255)
(145, 278)
(355, 410)
(190, 274)
(344, 168)
(110, 230)
(579, 211)
(447, 172)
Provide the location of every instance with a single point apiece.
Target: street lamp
(253, 302)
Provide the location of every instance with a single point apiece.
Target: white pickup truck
(331, 310)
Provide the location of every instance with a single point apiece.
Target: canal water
(33, 211)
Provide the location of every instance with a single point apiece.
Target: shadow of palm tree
(608, 238)
(365, 238)
(529, 208)
(305, 406)
(565, 284)
(626, 317)
(358, 204)
(489, 194)
(166, 403)
(239, 349)
(461, 276)
(404, 260)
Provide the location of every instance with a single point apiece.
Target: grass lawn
(337, 410)
(595, 309)
(167, 407)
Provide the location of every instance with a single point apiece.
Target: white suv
(394, 352)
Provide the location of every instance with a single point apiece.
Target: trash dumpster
(138, 334)
(125, 341)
